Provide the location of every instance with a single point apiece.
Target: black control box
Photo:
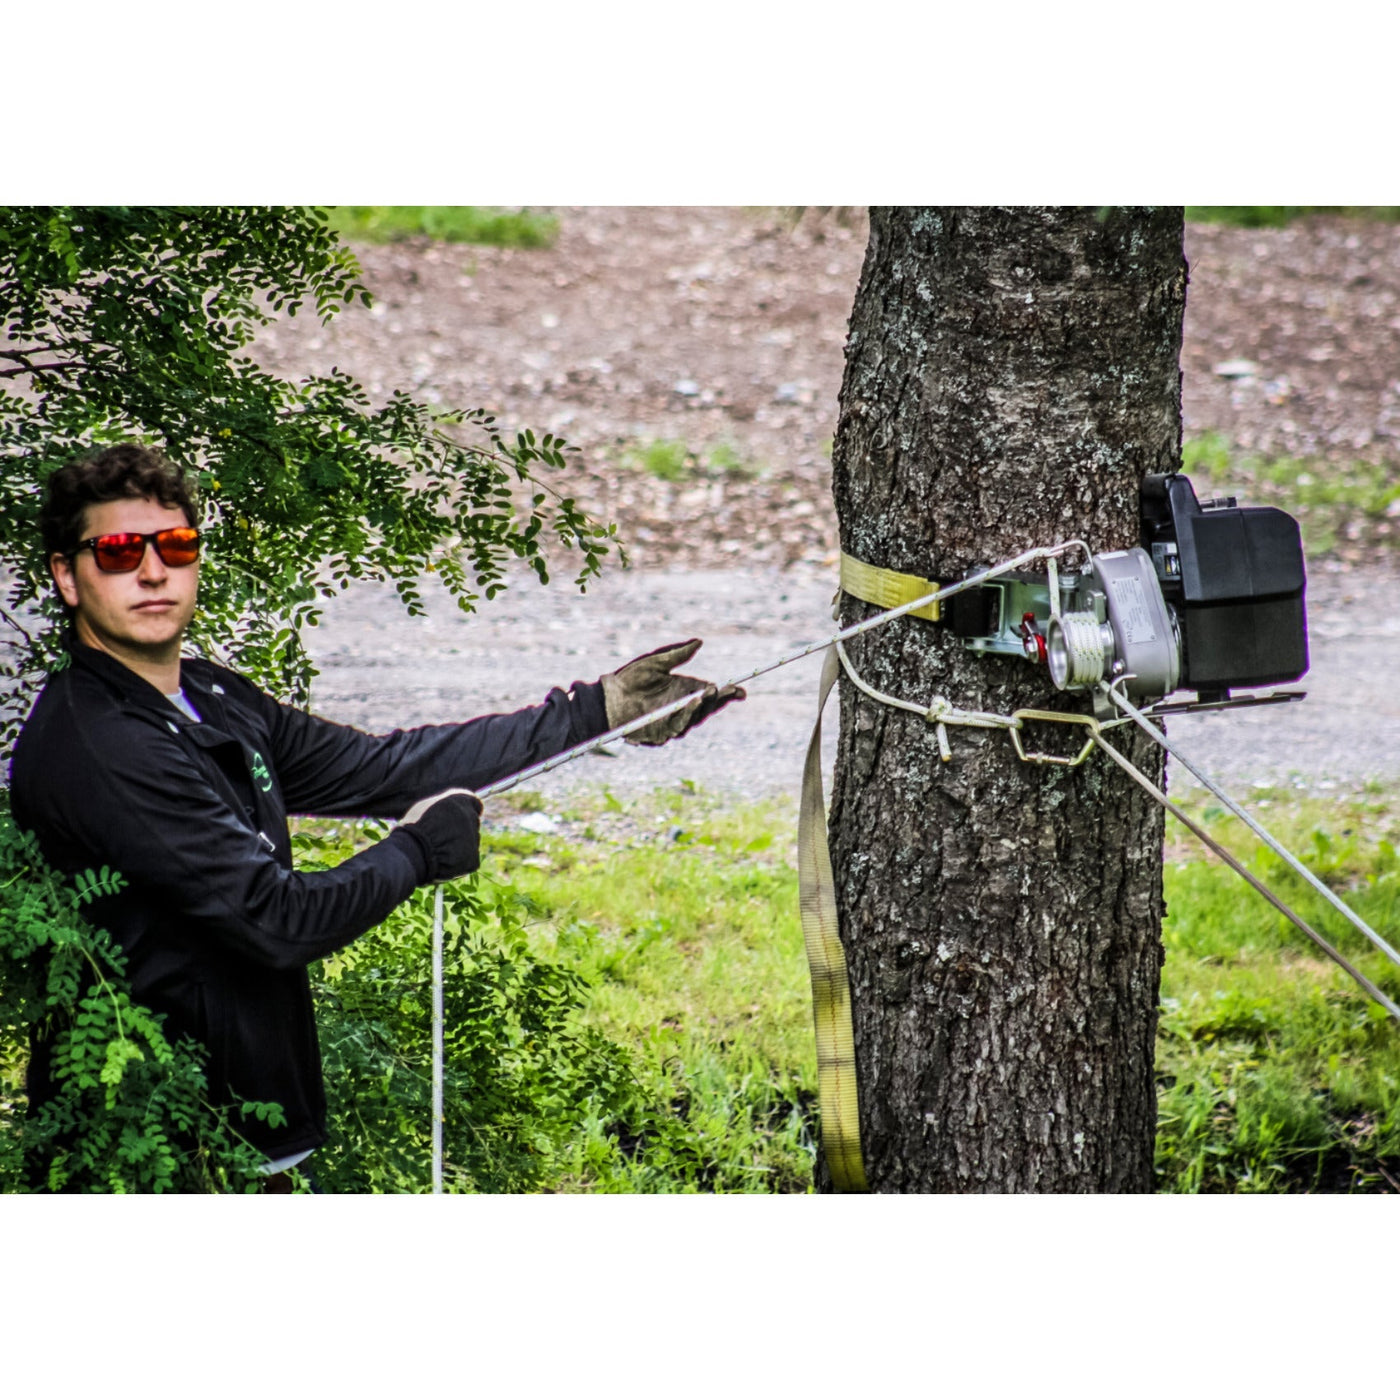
(1234, 578)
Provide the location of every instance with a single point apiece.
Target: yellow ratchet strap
(826, 961)
(826, 958)
(887, 588)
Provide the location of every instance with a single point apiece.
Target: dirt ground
(723, 330)
(1314, 309)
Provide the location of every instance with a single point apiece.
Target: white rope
(938, 712)
(437, 1041)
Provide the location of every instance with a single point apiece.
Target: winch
(1212, 600)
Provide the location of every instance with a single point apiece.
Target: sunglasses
(120, 554)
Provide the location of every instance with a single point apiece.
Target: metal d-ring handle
(1053, 717)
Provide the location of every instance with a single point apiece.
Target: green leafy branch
(137, 323)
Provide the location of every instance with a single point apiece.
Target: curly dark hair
(126, 471)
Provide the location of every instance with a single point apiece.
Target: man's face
(144, 612)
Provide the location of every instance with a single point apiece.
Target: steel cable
(1150, 729)
(1199, 832)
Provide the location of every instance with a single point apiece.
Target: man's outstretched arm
(329, 769)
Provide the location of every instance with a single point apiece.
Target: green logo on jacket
(264, 778)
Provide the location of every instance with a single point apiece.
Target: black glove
(647, 684)
(447, 827)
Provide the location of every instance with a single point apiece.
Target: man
(180, 774)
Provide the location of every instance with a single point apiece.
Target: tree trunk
(1011, 375)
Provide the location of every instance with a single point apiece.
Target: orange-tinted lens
(178, 547)
(118, 554)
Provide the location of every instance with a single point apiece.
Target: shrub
(131, 1111)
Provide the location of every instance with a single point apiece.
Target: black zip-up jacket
(217, 927)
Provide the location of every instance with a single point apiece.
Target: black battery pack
(1235, 578)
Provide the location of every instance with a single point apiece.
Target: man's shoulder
(77, 726)
(74, 701)
(67, 691)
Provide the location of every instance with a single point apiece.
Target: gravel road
(381, 669)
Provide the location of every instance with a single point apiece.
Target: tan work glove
(647, 684)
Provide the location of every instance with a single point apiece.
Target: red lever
(1032, 640)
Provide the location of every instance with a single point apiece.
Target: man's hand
(647, 684)
(447, 826)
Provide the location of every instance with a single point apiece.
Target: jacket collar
(204, 692)
(131, 688)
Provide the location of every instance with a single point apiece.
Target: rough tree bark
(1011, 375)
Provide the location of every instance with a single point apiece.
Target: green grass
(683, 917)
(1331, 500)
(1275, 1072)
(1266, 1083)
(670, 459)
(723, 459)
(450, 223)
(1281, 215)
(667, 459)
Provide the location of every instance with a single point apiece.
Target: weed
(1206, 456)
(669, 459)
(666, 459)
(522, 800)
(449, 223)
(1281, 215)
(725, 460)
